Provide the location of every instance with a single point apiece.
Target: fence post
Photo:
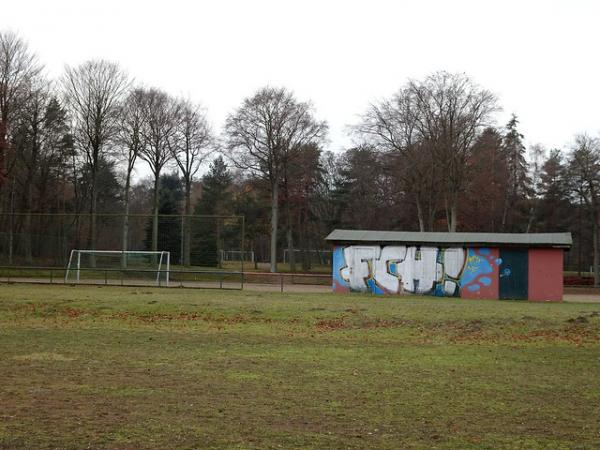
(221, 281)
(105, 276)
(281, 278)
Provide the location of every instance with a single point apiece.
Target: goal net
(131, 265)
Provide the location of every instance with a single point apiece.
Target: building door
(513, 274)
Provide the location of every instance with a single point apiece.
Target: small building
(468, 265)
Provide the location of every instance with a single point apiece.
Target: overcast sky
(540, 57)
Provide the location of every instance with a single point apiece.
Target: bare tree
(391, 126)
(93, 92)
(160, 124)
(537, 154)
(584, 180)
(432, 123)
(131, 143)
(192, 143)
(29, 143)
(452, 111)
(18, 66)
(262, 135)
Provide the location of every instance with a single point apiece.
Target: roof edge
(555, 240)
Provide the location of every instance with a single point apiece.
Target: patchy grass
(104, 367)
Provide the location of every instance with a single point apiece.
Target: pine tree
(216, 200)
(169, 227)
(555, 208)
(487, 183)
(518, 182)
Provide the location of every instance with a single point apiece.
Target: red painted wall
(546, 274)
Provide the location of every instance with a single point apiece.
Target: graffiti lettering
(416, 269)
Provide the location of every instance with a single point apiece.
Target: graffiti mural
(480, 276)
(395, 269)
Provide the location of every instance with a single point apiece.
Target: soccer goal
(131, 264)
(237, 255)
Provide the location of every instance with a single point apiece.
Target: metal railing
(124, 277)
(188, 278)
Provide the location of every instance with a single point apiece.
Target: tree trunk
(420, 215)
(29, 195)
(504, 214)
(155, 204)
(125, 236)
(253, 247)
(274, 224)
(290, 246)
(219, 246)
(595, 248)
(187, 226)
(579, 237)
(3, 149)
(289, 235)
(93, 208)
(452, 211)
(431, 216)
(531, 219)
(453, 216)
(11, 235)
(303, 241)
(447, 212)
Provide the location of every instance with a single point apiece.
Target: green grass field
(103, 367)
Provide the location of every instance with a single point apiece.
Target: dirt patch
(473, 326)
(43, 356)
(578, 319)
(72, 312)
(185, 317)
(338, 323)
(575, 335)
(48, 310)
(357, 323)
(529, 318)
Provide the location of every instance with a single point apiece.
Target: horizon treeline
(429, 158)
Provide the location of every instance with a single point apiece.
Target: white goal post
(161, 259)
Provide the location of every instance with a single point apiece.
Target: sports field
(111, 367)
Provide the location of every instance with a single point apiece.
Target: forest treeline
(431, 157)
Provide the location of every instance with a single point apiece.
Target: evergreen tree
(359, 189)
(169, 227)
(517, 176)
(107, 181)
(487, 183)
(216, 200)
(555, 207)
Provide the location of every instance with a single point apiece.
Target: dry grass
(90, 367)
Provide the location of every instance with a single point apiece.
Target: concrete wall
(474, 272)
